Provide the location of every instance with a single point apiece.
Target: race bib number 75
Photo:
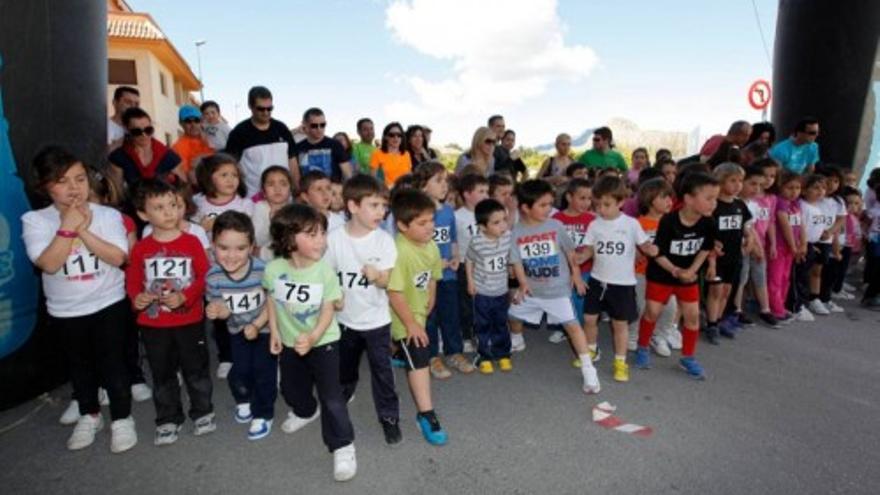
(299, 294)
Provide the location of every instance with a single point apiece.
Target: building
(141, 56)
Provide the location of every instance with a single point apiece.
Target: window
(162, 84)
(121, 71)
(167, 139)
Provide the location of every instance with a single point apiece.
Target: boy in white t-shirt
(473, 188)
(362, 255)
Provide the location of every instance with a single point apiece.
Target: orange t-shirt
(393, 165)
(649, 225)
(190, 148)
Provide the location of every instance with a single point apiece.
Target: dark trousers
(799, 293)
(319, 369)
(133, 360)
(465, 305)
(221, 338)
(445, 320)
(872, 270)
(377, 344)
(185, 349)
(95, 347)
(253, 378)
(490, 325)
(834, 273)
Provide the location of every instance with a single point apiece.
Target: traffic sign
(760, 94)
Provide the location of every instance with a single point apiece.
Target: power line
(761, 32)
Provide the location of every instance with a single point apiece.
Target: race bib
(352, 280)
(80, 264)
(299, 294)
(473, 229)
(763, 213)
(495, 264)
(578, 238)
(421, 280)
(685, 247)
(794, 220)
(537, 249)
(730, 222)
(610, 248)
(174, 267)
(442, 235)
(244, 302)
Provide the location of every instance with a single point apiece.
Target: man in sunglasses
(601, 155)
(799, 153)
(193, 144)
(124, 97)
(261, 141)
(319, 152)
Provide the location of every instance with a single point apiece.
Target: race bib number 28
(299, 294)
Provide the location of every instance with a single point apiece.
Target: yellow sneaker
(621, 371)
(486, 367)
(505, 364)
(596, 355)
(576, 362)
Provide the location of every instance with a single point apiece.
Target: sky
(548, 66)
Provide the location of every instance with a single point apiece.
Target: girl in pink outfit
(790, 244)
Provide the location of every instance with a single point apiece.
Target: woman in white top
(553, 168)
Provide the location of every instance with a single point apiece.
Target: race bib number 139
(537, 249)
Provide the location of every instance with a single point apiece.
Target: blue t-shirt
(445, 237)
(795, 158)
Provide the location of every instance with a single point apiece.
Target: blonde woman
(481, 152)
(553, 168)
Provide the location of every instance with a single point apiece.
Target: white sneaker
(243, 413)
(468, 346)
(122, 435)
(166, 434)
(294, 422)
(849, 287)
(660, 346)
(818, 308)
(673, 337)
(804, 315)
(632, 343)
(558, 336)
(344, 463)
(517, 342)
(71, 414)
(103, 398)
(223, 370)
(141, 392)
(591, 379)
(260, 428)
(84, 431)
(204, 425)
(833, 307)
(842, 295)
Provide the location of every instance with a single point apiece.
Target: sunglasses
(318, 125)
(265, 109)
(395, 135)
(812, 133)
(596, 139)
(138, 132)
(489, 141)
(192, 120)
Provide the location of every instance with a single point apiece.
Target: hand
(275, 345)
(71, 218)
(173, 299)
(371, 272)
(471, 289)
(688, 276)
(216, 311)
(651, 250)
(520, 294)
(579, 285)
(773, 253)
(250, 331)
(719, 249)
(825, 235)
(837, 255)
(86, 212)
(338, 304)
(453, 264)
(207, 223)
(759, 254)
(415, 334)
(144, 299)
(303, 344)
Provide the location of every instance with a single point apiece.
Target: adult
(426, 131)
(142, 156)
(601, 155)
(480, 154)
(261, 141)
(503, 163)
(319, 152)
(345, 141)
(362, 150)
(517, 168)
(193, 144)
(737, 134)
(416, 145)
(553, 168)
(508, 140)
(124, 97)
(213, 125)
(799, 153)
(762, 132)
(390, 161)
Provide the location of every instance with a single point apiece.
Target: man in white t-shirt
(124, 97)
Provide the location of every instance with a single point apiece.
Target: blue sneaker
(243, 413)
(396, 362)
(431, 429)
(726, 328)
(643, 358)
(692, 367)
(260, 428)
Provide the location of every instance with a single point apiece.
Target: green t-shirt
(361, 153)
(416, 267)
(298, 295)
(610, 159)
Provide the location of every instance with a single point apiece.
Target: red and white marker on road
(603, 415)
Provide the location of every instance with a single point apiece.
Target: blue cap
(188, 112)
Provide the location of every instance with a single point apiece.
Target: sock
(646, 329)
(620, 358)
(689, 341)
(586, 361)
(592, 347)
(711, 323)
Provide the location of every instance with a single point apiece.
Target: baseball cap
(188, 112)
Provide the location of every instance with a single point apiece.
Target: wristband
(67, 234)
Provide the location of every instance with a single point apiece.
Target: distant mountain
(628, 136)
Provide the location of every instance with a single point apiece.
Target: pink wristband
(67, 234)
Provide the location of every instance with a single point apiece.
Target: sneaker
(486, 367)
(804, 315)
(460, 363)
(557, 337)
(591, 380)
(769, 320)
(122, 435)
(849, 287)
(505, 364)
(621, 371)
(595, 355)
(391, 429)
(243, 413)
(632, 343)
(833, 307)
(660, 346)
(166, 434)
(71, 414)
(344, 463)
(294, 422)
(743, 320)
(438, 369)
(818, 308)
(204, 425)
(468, 346)
(843, 296)
(103, 398)
(398, 362)
(260, 428)
(140, 392)
(517, 342)
(576, 363)
(431, 429)
(692, 367)
(785, 319)
(727, 328)
(673, 337)
(84, 432)
(643, 358)
(223, 370)
(711, 333)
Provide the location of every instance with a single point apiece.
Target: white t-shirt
(206, 209)
(365, 305)
(335, 220)
(114, 131)
(261, 222)
(465, 229)
(194, 229)
(614, 248)
(85, 284)
(831, 209)
(814, 221)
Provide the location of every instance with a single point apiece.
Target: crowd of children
(302, 280)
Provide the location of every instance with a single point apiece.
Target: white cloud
(502, 53)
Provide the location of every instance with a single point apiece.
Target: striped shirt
(244, 298)
(490, 258)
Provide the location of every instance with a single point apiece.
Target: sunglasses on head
(318, 125)
(137, 131)
(192, 120)
(265, 109)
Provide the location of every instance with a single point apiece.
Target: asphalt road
(795, 410)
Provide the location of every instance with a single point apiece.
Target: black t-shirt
(257, 150)
(325, 155)
(730, 220)
(680, 244)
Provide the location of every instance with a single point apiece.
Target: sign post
(759, 96)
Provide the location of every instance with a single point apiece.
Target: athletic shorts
(415, 358)
(657, 292)
(618, 301)
(754, 271)
(728, 272)
(559, 310)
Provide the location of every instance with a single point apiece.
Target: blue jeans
(490, 326)
(254, 375)
(445, 320)
(578, 301)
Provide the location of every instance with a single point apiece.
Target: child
(219, 178)
(790, 248)
(852, 241)
(808, 273)
(445, 320)
(833, 207)
(337, 203)
(684, 240)
(473, 188)
(871, 297)
(79, 246)
(276, 187)
(669, 169)
(542, 255)
(235, 294)
(486, 267)
(731, 219)
(186, 209)
(640, 161)
(303, 330)
(166, 283)
(411, 294)
(362, 255)
(216, 129)
(501, 190)
(314, 190)
(612, 240)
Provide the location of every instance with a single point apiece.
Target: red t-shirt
(162, 267)
(130, 226)
(576, 226)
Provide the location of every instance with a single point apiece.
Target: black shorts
(415, 358)
(618, 301)
(822, 252)
(728, 271)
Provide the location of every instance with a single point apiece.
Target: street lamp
(199, 43)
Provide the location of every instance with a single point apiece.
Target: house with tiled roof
(140, 55)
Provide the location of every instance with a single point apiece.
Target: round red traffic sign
(759, 94)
